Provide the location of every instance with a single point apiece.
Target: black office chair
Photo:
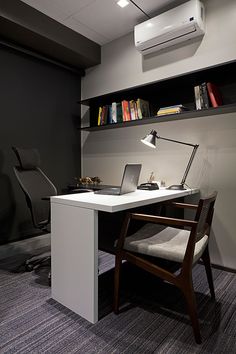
(37, 189)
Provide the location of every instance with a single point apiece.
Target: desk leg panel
(74, 249)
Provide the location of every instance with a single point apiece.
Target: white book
(114, 112)
(197, 97)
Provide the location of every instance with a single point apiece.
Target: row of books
(171, 110)
(207, 95)
(123, 111)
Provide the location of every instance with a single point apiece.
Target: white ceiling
(99, 20)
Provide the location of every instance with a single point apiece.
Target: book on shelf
(99, 115)
(114, 112)
(168, 111)
(204, 96)
(125, 110)
(201, 96)
(133, 110)
(109, 114)
(119, 112)
(104, 115)
(143, 108)
(214, 94)
(171, 110)
(197, 95)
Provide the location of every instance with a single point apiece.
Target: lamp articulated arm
(189, 164)
(195, 147)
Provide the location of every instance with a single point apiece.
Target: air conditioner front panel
(167, 37)
(174, 26)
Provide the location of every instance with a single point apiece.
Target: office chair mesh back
(35, 185)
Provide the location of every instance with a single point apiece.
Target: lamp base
(176, 187)
(150, 186)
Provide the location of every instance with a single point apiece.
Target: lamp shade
(150, 139)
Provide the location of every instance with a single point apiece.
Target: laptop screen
(130, 178)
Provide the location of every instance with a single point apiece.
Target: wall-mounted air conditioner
(177, 25)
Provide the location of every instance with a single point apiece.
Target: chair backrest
(35, 185)
(204, 215)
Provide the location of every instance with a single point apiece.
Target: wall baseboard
(23, 246)
(226, 269)
(217, 266)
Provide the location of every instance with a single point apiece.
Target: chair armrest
(163, 220)
(154, 219)
(182, 205)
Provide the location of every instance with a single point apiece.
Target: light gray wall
(106, 152)
(123, 66)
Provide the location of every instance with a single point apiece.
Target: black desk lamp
(150, 140)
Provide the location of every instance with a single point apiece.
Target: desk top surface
(111, 203)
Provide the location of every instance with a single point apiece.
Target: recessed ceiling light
(122, 3)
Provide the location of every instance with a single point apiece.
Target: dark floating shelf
(167, 118)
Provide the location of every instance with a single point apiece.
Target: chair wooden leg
(116, 301)
(189, 295)
(207, 264)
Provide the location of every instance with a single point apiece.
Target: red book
(104, 115)
(125, 109)
(214, 94)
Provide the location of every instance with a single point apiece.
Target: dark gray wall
(37, 109)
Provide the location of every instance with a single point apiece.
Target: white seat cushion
(164, 242)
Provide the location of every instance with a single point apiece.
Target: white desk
(74, 237)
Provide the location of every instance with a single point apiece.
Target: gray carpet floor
(153, 319)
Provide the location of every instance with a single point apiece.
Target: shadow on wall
(202, 174)
(7, 205)
(170, 55)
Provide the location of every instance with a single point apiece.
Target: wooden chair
(179, 240)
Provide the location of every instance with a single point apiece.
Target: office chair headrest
(28, 159)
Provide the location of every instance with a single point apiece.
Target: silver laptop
(129, 181)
